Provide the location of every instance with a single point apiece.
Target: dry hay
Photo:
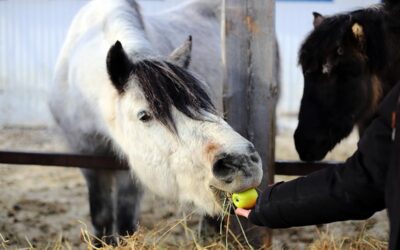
(362, 241)
(156, 239)
(161, 237)
(56, 244)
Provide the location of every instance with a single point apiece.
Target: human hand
(242, 212)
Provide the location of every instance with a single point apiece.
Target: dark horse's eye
(144, 116)
(340, 51)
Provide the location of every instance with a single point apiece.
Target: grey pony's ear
(119, 66)
(318, 19)
(182, 55)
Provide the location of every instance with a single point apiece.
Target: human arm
(353, 190)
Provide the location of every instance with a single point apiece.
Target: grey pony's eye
(144, 116)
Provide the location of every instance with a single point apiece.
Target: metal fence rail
(61, 160)
(291, 168)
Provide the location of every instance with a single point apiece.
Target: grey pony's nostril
(230, 166)
(224, 170)
(254, 158)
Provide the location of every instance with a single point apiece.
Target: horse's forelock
(323, 39)
(165, 85)
(331, 33)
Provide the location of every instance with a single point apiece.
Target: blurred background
(32, 32)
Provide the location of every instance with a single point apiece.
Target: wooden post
(250, 82)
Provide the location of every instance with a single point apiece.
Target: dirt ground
(42, 204)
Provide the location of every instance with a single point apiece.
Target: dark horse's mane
(332, 32)
(393, 23)
(165, 85)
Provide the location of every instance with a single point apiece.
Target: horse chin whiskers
(219, 195)
(212, 206)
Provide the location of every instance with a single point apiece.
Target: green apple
(246, 199)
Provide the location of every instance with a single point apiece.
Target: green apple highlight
(246, 199)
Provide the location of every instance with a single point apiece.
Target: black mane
(393, 21)
(165, 85)
(331, 33)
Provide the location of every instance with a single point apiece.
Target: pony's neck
(125, 24)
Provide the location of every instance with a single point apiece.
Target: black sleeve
(350, 191)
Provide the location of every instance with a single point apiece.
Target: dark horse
(350, 61)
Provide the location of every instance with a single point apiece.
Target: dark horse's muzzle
(311, 146)
(313, 143)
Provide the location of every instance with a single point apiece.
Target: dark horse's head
(340, 60)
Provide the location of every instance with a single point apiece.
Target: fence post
(251, 68)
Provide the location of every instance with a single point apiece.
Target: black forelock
(323, 39)
(329, 35)
(165, 84)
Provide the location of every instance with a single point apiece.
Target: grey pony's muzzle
(235, 172)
